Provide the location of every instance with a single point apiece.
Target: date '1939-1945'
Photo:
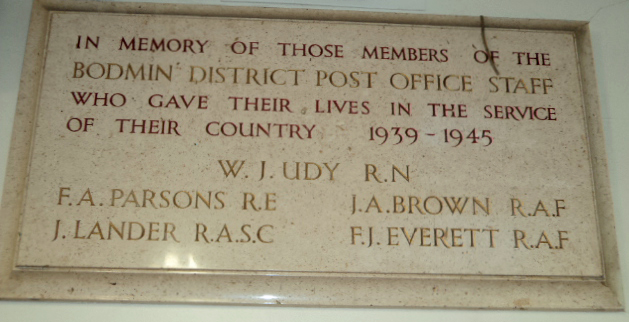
(399, 135)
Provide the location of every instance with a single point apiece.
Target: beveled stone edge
(299, 291)
(598, 159)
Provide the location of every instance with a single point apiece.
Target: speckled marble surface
(342, 238)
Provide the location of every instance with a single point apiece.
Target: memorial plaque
(226, 155)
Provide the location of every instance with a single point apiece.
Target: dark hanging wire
(491, 57)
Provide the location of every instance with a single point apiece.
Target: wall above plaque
(170, 153)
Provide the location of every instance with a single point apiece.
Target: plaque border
(273, 289)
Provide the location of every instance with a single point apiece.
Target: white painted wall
(610, 32)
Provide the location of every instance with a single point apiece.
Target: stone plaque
(227, 155)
